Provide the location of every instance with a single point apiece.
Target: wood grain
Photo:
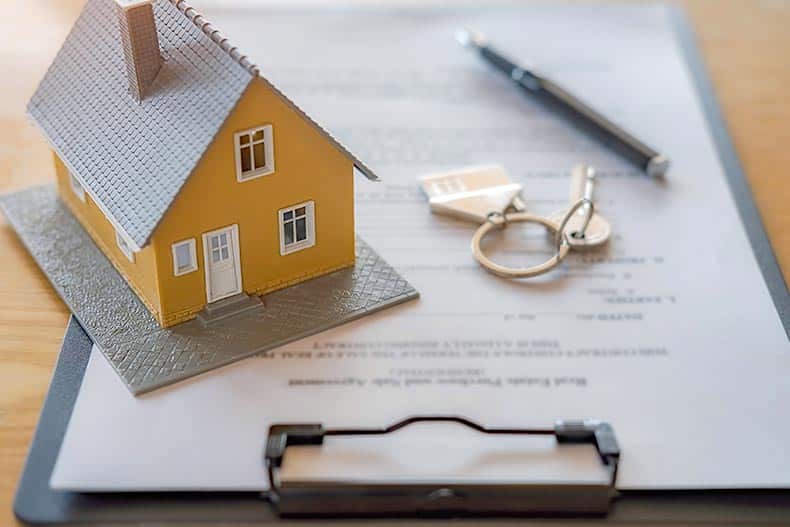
(745, 46)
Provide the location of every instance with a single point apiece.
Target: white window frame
(124, 246)
(268, 151)
(76, 187)
(193, 265)
(310, 230)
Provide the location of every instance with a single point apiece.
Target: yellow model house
(197, 178)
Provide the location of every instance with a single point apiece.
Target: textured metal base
(147, 356)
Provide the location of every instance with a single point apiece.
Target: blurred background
(745, 45)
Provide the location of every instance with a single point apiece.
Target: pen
(587, 118)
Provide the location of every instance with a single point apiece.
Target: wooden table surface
(746, 46)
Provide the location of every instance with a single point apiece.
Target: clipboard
(36, 503)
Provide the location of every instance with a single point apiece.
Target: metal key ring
(560, 236)
(518, 272)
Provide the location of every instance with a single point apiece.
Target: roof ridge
(216, 36)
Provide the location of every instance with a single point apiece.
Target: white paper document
(669, 333)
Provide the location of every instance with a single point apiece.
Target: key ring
(486, 195)
(560, 236)
(497, 220)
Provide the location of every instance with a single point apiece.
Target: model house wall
(141, 274)
(307, 169)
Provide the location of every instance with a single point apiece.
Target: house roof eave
(136, 247)
(362, 167)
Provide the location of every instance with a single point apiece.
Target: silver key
(586, 229)
(472, 194)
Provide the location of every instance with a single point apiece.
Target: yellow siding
(140, 275)
(308, 167)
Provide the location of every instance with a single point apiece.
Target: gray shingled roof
(133, 158)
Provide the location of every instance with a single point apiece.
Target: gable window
(184, 257)
(76, 188)
(297, 227)
(124, 246)
(254, 153)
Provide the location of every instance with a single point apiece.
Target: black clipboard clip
(523, 499)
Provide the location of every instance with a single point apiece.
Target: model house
(196, 177)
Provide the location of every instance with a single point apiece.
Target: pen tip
(468, 37)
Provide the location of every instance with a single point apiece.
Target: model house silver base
(147, 356)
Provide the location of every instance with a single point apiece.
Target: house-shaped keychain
(201, 182)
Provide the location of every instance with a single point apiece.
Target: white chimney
(140, 44)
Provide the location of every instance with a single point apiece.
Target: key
(486, 196)
(472, 194)
(586, 229)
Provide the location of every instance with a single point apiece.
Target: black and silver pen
(581, 114)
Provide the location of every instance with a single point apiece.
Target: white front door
(221, 257)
